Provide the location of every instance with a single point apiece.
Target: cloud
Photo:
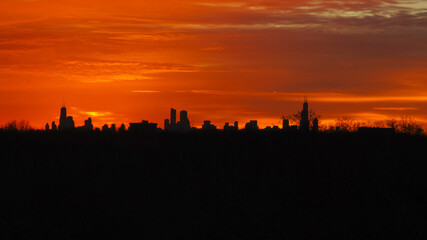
(396, 108)
(145, 91)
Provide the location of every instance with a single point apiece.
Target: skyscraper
(315, 125)
(65, 122)
(183, 117)
(173, 117)
(252, 125)
(166, 124)
(88, 124)
(54, 127)
(285, 124)
(184, 123)
(63, 118)
(304, 122)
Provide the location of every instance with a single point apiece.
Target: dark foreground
(237, 186)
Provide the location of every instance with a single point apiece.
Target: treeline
(405, 125)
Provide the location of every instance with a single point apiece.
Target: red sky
(125, 61)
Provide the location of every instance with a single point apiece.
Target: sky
(224, 61)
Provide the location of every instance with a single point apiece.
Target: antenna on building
(63, 102)
(305, 99)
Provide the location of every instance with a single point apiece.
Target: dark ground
(212, 186)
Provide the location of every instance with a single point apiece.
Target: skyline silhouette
(305, 120)
(308, 122)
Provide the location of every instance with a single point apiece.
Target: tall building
(184, 123)
(54, 127)
(285, 124)
(166, 124)
(65, 122)
(207, 126)
(173, 117)
(63, 118)
(88, 124)
(69, 124)
(304, 122)
(183, 117)
(252, 125)
(122, 128)
(315, 125)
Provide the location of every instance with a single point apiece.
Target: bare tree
(347, 124)
(14, 125)
(408, 125)
(24, 125)
(11, 126)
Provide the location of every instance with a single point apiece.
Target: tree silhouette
(347, 124)
(22, 125)
(406, 125)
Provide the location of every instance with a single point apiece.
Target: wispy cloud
(396, 108)
(145, 91)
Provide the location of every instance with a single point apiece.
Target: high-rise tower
(62, 118)
(184, 123)
(65, 122)
(304, 122)
(173, 117)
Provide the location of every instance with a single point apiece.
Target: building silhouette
(171, 125)
(107, 129)
(183, 124)
(65, 122)
(235, 127)
(207, 126)
(304, 122)
(122, 128)
(47, 127)
(285, 124)
(173, 117)
(271, 129)
(88, 124)
(252, 125)
(166, 124)
(54, 127)
(143, 126)
(62, 117)
(315, 127)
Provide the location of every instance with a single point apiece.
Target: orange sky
(129, 60)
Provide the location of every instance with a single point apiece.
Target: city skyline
(66, 122)
(304, 121)
(220, 60)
